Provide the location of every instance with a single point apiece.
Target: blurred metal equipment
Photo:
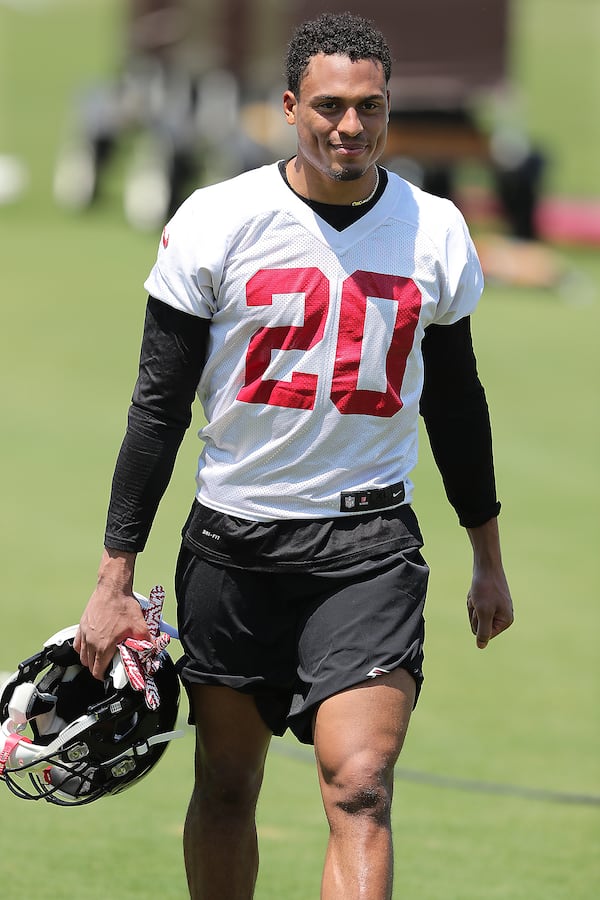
(174, 104)
(151, 94)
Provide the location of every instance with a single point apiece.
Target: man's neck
(318, 187)
(339, 216)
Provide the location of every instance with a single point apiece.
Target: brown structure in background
(444, 51)
(449, 58)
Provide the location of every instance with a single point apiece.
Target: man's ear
(289, 107)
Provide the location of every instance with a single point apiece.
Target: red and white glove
(141, 658)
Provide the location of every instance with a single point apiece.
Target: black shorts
(292, 640)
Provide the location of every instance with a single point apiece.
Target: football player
(315, 306)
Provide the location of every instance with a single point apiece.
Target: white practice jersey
(314, 369)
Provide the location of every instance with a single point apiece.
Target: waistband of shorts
(372, 498)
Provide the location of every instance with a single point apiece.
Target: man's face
(340, 114)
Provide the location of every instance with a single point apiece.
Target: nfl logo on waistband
(349, 502)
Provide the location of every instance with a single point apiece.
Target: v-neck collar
(307, 212)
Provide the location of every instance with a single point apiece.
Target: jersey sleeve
(462, 283)
(181, 277)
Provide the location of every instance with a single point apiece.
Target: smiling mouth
(349, 148)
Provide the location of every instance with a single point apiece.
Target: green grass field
(498, 790)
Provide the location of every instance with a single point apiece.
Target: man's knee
(231, 747)
(362, 785)
(227, 784)
(358, 737)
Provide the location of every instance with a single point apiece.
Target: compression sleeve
(456, 415)
(172, 357)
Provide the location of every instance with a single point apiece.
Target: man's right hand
(111, 615)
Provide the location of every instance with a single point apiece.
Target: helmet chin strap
(7, 749)
(144, 746)
(22, 754)
(19, 753)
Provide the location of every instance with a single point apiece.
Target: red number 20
(300, 391)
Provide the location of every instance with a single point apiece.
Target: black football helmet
(89, 738)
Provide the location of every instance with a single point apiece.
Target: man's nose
(350, 122)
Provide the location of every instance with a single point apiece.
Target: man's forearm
(116, 570)
(489, 603)
(485, 541)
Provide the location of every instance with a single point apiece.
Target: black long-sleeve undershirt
(455, 411)
(171, 361)
(172, 357)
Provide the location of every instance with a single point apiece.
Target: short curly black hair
(331, 33)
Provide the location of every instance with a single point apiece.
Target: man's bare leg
(220, 844)
(358, 736)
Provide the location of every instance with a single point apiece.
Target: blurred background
(492, 103)
(110, 113)
(189, 91)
